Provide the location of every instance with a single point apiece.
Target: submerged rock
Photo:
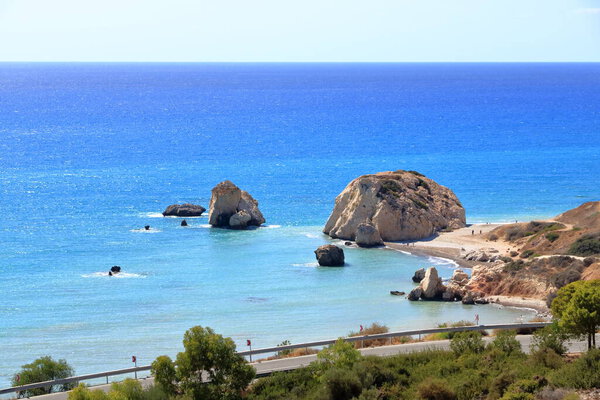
(231, 207)
(184, 210)
(401, 205)
(368, 236)
(330, 256)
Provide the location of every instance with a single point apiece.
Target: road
(285, 364)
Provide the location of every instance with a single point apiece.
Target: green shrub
(583, 373)
(82, 392)
(339, 355)
(506, 342)
(527, 253)
(552, 236)
(587, 245)
(41, 370)
(514, 266)
(435, 389)
(467, 342)
(550, 337)
(341, 384)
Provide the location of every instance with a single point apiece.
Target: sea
(91, 153)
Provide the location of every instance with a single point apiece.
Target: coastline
(451, 245)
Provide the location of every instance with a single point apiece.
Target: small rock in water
(330, 256)
(147, 227)
(397, 293)
(419, 275)
(184, 223)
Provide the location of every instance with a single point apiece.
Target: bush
(527, 253)
(339, 355)
(548, 393)
(467, 342)
(374, 329)
(552, 236)
(341, 384)
(41, 370)
(551, 337)
(583, 373)
(435, 389)
(493, 237)
(587, 245)
(565, 277)
(506, 342)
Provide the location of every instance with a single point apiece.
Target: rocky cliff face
(232, 207)
(401, 205)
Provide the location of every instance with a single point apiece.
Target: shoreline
(450, 245)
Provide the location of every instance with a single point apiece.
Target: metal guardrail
(321, 343)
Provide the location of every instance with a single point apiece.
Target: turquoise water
(90, 153)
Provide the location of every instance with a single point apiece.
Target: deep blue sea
(90, 153)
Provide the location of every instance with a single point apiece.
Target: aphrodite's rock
(184, 210)
(415, 294)
(250, 205)
(432, 284)
(330, 256)
(227, 201)
(239, 220)
(401, 205)
(368, 236)
(223, 203)
(419, 275)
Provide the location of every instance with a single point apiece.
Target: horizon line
(285, 62)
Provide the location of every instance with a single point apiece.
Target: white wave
(312, 235)
(152, 215)
(310, 264)
(270, 226)
(159, 215)
(120, 275)
(442, 261)
(144, 230)
(205, 226)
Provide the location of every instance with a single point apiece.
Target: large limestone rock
(368, 236)
(227, 201)
(401, 205)
(418, 275)
(432, 284)
(184, 210)
(329, 255)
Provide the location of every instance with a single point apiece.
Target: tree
(341, 354)
(577, 307)
(208, 368)
(41, 370)
(467, 342)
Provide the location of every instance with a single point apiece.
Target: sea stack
(400, 205)
(231, 207)
(329, 255)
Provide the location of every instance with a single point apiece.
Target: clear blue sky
(307, 30)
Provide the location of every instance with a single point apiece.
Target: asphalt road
(298, 362)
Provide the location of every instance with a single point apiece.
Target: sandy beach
(473, 237)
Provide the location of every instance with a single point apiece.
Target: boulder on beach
(329, 255)
(401, 205)
(432, 284)
(227, 201)
(368, 236)
(184, 210)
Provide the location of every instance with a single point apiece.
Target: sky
(300, 31)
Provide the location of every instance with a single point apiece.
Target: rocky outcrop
(401, 205)
(184, 210)
(418, 275)
(239, 220)
(330, 256)
(368, 236)
(482, 255)
(229, 203)
(430, 288)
